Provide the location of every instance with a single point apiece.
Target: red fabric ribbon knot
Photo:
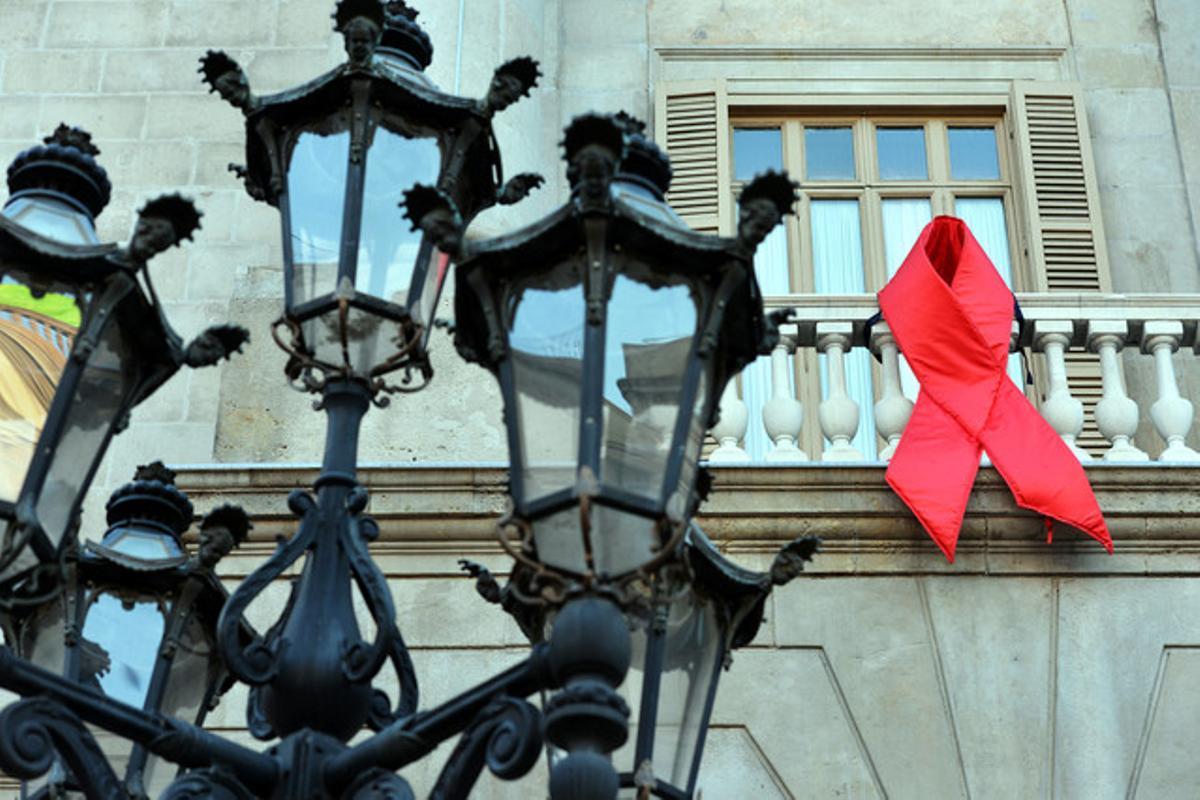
(951, 314)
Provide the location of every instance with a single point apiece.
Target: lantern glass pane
(121, 637)
(388, 248)
(435, 279)
(559, 540)
(43, 637)
(647, 351)
(52, 219)
(622, 541)
(695, 438)
(143, 544)
(546, 343)
(193, 672)
(691, 655)
(36, 333)
(369, 338)
(99, 401)
(316, 191)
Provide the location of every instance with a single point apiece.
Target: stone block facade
(1023, 670)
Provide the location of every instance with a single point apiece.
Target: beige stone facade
(1023, 670)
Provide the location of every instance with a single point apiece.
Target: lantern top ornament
(65, 165)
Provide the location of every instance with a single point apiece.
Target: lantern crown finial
(403, 36)
(156, 471)
(593, 145)
(150, 497)
(349, 10)
(68, 136)
(65, 167)
(645, 163)
(361, 24)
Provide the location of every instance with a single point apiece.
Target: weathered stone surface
(832, 24)
(123, 23)
(1107, 680)
(52, 71)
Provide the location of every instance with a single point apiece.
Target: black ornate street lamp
(613, 329)
(609, 321)
(82, 341)
(335, 156)
(136, 620)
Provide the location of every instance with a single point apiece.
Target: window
(1011, 155)
(869, 184)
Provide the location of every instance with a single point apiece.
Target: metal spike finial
(68, 136)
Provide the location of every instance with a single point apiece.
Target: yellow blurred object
(60, 307)
(33, 352)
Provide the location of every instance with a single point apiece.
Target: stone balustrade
(1056, 326)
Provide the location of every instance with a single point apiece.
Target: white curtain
(838, 269)
(903, 221)
(985, 217)
(771, 269)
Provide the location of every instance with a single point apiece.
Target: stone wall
(1023, 671)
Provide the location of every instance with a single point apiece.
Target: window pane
(837, 247)
(756, 150)
(973, 155)
(838, 269)
(903, 220)
(901, 154)
(771, 263)
(829, 154)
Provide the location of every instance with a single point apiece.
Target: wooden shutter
(1064, 238)
(691, 122)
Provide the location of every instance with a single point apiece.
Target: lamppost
(613, 329)
(609, 572)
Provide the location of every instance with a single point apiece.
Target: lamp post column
(321, 681)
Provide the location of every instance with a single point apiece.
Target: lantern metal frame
(381, 86)
(601, 230)
(118, 292)
(312, 673)
(187, 587)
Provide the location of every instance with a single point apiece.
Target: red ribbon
(951, 314)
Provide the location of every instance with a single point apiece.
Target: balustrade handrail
(1158, 325)
(1080, 308)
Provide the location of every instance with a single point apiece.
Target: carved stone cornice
(442, 512)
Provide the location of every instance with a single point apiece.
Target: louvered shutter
(1063, 235)
(691, 124)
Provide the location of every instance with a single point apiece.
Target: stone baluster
(893, 409)
(730, 428)
(1060, 409)
(838, 413)
(1171, 413)
(1116, 414)
(783, 414)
